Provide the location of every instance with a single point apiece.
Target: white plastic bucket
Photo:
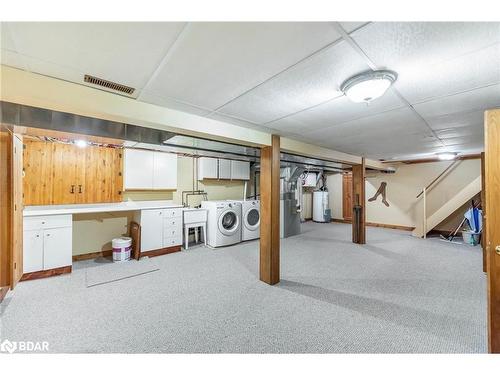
(121, 249)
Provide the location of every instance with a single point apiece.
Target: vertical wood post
(492, 184)
(483, 207)
(358, 198)
(270, 212)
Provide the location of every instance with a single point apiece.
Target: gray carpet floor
(396, 294)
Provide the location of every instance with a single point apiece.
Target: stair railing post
(425, 212)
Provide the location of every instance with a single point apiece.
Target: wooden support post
(270, 212)
(483, 207)
(492, 195)
(358, 199)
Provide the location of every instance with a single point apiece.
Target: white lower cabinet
(160, 228)
(47, 242)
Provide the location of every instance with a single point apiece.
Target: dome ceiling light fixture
(367, 86)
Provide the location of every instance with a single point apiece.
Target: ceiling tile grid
(309, 83)
(218, 61)
(285, 77)
(123, 52)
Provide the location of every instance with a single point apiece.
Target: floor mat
(113, 272)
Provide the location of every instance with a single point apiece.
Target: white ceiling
(285, 77)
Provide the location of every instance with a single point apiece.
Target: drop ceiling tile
(148, 97)
(434, 59)
(217, 61)
(335, 112)
(410, 44)
(125, 52)
(390, 132)
(458, 119)
(479, 99)
(309, 83)
(236, 121)
(10, 58)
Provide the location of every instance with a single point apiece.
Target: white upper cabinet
(149, 170)
(224, 169)
(138, 169)
(164, 171)
(240, 170)
(207, 168)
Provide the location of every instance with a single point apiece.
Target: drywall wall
(94, 232)
(334, 184)
(403, 187)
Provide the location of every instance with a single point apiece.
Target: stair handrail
(438, 177)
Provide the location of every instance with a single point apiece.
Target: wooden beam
(270, 212)
(492, 194)
(358, 199)
(5, 207)
(483, 207)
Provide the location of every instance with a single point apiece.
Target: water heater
(321, 210)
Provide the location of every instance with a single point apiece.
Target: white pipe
(245, 191)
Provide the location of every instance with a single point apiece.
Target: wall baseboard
(3, 292)
(379, 225)
(46, 273)
(97, 254)
(165, 250)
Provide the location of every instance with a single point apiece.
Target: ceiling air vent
(108, 84)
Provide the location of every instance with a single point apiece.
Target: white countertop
(97, 207)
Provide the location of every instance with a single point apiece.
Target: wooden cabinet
(56, 173)
(149, 170)
(240, 170)
(160, 228)
(47, 243)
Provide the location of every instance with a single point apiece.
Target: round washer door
(229, 222)
(252, 218)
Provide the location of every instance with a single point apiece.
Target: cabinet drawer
(172, 241)
(46, 222)
(172, 232)
(173, 212)
(172, 223)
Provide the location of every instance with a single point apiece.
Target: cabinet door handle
(80, 189)
(72, 191)
(48, 234)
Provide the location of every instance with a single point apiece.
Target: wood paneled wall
(5, 206)
(58, 173)
(492, 195)
(270, 212)
(358, 198)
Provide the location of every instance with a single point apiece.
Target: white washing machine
(223, 222)
(250, 216)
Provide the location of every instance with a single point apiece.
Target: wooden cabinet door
(102, 180)
(64, 184)
(347, 196)
(38, 172)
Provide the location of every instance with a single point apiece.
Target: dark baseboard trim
(3, 292)
(165, 250)
(97, 254)
(379, 225)
(46, 273)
